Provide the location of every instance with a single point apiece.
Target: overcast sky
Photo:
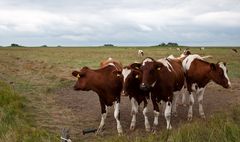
(120, 22)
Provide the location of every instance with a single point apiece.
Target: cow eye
(151, 71)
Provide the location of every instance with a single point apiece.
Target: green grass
(14, 121)
(37, 72)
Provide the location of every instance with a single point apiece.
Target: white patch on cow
(156, 115)
(221, 65)
(171, 57)
(166, 63)
(188, 61)
(190, 110)
(147, 125)
(134, 112)
(104, 116)
(147, 60)
(125, 73)
(153, 84)
(111, 64)
(167, 114)
(116, 115)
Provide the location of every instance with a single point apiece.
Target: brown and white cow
(132, 80)
(107, 82)
(198, 74)
(162, 78)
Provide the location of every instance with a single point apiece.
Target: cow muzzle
(145, 87)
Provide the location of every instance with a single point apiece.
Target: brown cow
(162, 78)
(132, 79)
(117, 64)
(107, 82)
(198, 74)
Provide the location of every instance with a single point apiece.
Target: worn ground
(85, 109)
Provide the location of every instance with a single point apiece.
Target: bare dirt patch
(85, 108)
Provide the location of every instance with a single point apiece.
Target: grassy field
(28, 76)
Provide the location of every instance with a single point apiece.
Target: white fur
(190, 110)
(125, 73)
(167, 114)
(171, 57)
(134, 113)
(140, 53)
(153, 84)
(156, 115)
(188, 61)
(147, 60)
(116, 114)
(147, 125)
(221, 65)
(165, 62)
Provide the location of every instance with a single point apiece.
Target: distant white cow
(202, 48)
(179, 49)
(140, 53)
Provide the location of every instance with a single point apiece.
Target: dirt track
(85, 110)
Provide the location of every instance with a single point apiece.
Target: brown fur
(201, 72)
(166, 82)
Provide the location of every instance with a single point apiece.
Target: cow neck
(97, 77)
(207, 74)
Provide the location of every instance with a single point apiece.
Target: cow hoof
(190, 118)
(203, 116)
(174, 114)
(120, 134)
(132, 128)
(148, 129)
(169, 128)
(154, 129)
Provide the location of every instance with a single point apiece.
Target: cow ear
(213, 66)
(136, 66)
(159, 67)
(224, 63)
(117, 73)
(75, 73)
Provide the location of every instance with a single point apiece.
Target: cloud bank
(121, 22)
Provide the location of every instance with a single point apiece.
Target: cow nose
(144, 87)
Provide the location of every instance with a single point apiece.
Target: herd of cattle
(161, 80)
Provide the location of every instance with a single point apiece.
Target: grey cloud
(122, 22)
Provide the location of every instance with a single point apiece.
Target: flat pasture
(42, 76)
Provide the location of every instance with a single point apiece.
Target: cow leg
(103, 118)
(200, 101)
(174, 105)
(184, 103)
(134, 113)
(190, 110)
(145, 110)
(167, 114)
(156, 115)
(117, 117)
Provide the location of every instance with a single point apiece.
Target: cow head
(219, 74)
(82, 79)
(132, 80)
(150, 69)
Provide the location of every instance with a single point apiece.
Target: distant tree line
(168, 44)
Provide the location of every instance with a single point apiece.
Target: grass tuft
(14, 126)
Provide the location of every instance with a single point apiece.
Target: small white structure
(140, 53)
